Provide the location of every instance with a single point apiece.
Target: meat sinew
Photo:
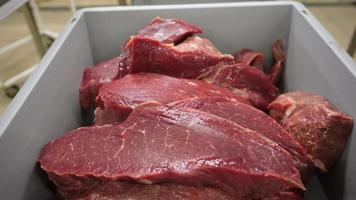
(254, 119)
(118, 98)
(315, 124)
(163, 144)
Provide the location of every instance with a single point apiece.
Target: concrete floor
(339, 20)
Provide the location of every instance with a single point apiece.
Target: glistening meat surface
(256, 120)
(188, 59)
(118, 98)
(162, 144)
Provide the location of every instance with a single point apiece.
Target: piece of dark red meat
(159, 144)
(118, 98)
(164, 31)
(188, 59)
(256, 120)
(245, 81)
(279, 59)
(256, 59)
(250, 57)
(165, 191)
(94, 77)
(169, 31)
(315, 123)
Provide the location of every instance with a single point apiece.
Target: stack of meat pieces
(167, 46)
(177, 119)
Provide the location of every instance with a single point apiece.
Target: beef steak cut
(159, 144)
(256, 120)
(315, 124)
(118, 98)
(245, 81)
(186, 60)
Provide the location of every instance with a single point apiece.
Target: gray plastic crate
(47, 106)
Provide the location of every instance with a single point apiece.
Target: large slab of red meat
(254, 119)
(163, 144)
(185, 60)
(315, 123)
(118, 98)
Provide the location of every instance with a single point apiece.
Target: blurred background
(28, 28)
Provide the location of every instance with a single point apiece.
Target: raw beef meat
(159, 144)
(94, 77)
(186, 60)
(118, 98)
(256, 120)
(245, 81)
(288, 195)
(315, 124)
(286, 103)
(279, 58)
(169, 31)
(166, 191)
(242, 114)
(164, 31)
(256, 59)
(250, 57)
